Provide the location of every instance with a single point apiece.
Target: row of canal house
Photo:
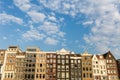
(35, 64)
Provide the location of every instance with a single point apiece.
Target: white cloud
(105, 31)
(33, 35)
(61, 34)
(62, 6)
(66, 6)
(30, 9)
(48, 31)
(51, 41)
(105, 34)
(49, 28)
(88, 23)
(49, 25)
(36, 16)
(6, 18)
(61, 19)
(24, 5)
(52, 18)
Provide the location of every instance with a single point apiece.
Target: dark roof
(118, 59)
(106, 55)
(98, 56)
(13, 46)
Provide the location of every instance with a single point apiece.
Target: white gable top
(86, 54)
(63, 51)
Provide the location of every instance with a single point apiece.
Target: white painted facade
(102, 68)
(95, 65)
(99, 67)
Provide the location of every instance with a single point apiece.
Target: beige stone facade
(40, 66)
(87, 73)
(20, 66)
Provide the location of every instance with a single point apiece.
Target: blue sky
(75, 25)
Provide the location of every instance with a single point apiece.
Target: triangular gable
(108, 55)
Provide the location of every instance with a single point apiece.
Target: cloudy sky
(76, 25)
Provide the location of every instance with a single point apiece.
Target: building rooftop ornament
(72, 52)
(63, 51)
(86, 54)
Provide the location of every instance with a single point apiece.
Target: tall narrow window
(40, 65)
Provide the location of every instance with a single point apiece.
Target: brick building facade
(111, 66)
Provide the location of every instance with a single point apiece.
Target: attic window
(109, 55)
(101, 56)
